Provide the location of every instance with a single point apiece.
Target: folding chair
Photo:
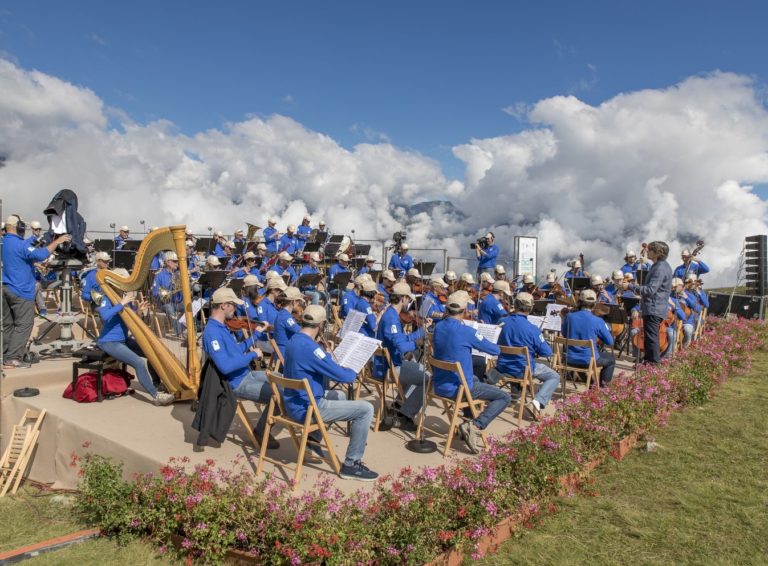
(390, 382)
(336, 322)
(19, 450)
(560, 361)
(700, 324)
(299, 431)
(276, 361)
(242, 414)
(525, 381)
(453, 408)
(680, 335)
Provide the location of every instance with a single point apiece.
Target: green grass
(700, 498)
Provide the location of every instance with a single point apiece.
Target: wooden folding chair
(19, 450)
(336, 321)
(680, 336)
(276, 361)
(525, 381)
(453, 408)
(560, 361)
(700, 324)
(299, 431)
(391, 382)
(242, 414)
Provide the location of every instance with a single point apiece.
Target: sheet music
(197, 304)
(355, 350)
(489, 332)
(352, 323)
(426, 305)
(553, 321)
(537, 321)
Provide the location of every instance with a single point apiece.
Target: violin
(379, 302)
(240, 323)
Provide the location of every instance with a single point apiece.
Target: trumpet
(165, 295)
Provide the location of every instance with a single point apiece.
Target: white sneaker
(163, 399)
(470, 436)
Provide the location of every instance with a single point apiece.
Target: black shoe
(315, 448)
(404, 423)
(358, 471)
(272, 443)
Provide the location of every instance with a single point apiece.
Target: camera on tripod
(481, 242)
(399, 238)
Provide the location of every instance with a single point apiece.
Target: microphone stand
(418, 444)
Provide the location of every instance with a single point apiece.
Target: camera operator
(486, 252)
(400, 259)
(19, 259)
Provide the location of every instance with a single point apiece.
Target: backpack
(114, 383)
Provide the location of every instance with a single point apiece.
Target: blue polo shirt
(19, 259)
(488, 260)
(369, 325)
(517, 331)
(491, 310)
(402, 262)
(270, 239)
(392, 337)
(348, 302)
(583, 325)
(113, 328)
(266, 311)
(231, 358)
(285, 328)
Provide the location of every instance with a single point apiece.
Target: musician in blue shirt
(303, 232)
(491, 310)
(285, 325)
(365, 305)
(576, 270)
(124, 235)
(400, 259)
(486, 252)
(306, 359)
(88, 281)
(271, 237)
(633, 264)
(283, 266)
(289, 243)
(252, 292)
(614, 287)
(690, 265)
(166, 290)
(239, 237)
(249, 268)
(436, 308)
(453, 342)
(517, 331)
(686, 300)
(368, 267)
(221, 241)
(583, 325)
(341, 266)
(348, 300)
(387, 282)
(233, 359)
(598, 286)
(310, 268)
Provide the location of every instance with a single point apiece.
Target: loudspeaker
(756, 265)
(743, 306)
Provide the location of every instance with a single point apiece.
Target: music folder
(212, 279)
(629, 303)
(425, 268)
(342, 279)
(540, 307)
(336, 239)
(640, 276)
(309, 280)
(204, 245)
(124, 259)
(578, 283)
(237, 286)
(131, 246)
(310, 247)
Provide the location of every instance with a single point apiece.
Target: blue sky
(426, 75)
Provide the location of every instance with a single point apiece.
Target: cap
(685, 252)
(124, 229)
(467, 278)
(369, 259)
(631, 253)
(12, 220)
(676, 281)
(251, 280)
(438, 281)
(261, 247)
(389, 275)
(188, 231)
(291, 228)
(212, 260)
(272, 275)
(500, 269)
(230, 244)
(618, 274)
(103, 256)
(458, 300)
(321, 223)
(314, 256)
(588, 296)
(450, 276)
(524, 299)
(219, 234)
(368, 286)
(225, 295)
(313, 314)
(629, 275)
(691, 277)
(35, 225)
(502, 286)
(402, 289)
(486, 277)
(413, 272)
(576, 263)
(596, 280)
(292, 294)
(239, 231)
(307, 217)
(489, 235)
(170, 256)
(342, 257)
(403, 246)
(276, 283)
(249, 255)
(189, 243)
(271, 220)
(528, 279)
(550, 277)
(360, 279)
(285, 256)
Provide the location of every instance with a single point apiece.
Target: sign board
(525, 255)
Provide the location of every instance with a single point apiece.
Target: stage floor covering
(132, 430)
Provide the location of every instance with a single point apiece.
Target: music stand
(311, 247)
(425, 268)
(357, 263)
(309, 280)
(316, 236)
(336, 239)
(341, 280)
(131, 246)
(375, 275)
(331, 249)
(629, 303)
(539, 308)
(212, 279)
(578, 283)
(204, 245)
(641, 275)
(124, 259)
(362, 249)
(103, 245)
(237, 286)
(239, 247)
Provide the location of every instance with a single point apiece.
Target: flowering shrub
(418, 514)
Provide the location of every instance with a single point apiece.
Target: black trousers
(651, 343)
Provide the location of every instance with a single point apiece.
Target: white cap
(528, 279)
(284, 256)
(629, 275)
(618, 274)
(188, 232)
(342, 257)
(239, 231)
(271, 220)
(225, 295)
(631, 253)
(307, 217)
(124, 229)
(438, 281)
(170, 256)
(576, 263)
(489, 235)
(213, 261)
(596, 280)
(272, 275)
(291, 228)
(218, 234)
(467, 278)
(360, 279)
(321, 223)
(230, 244)
(251, 280)
(369, 259)
(450, 276)
(402, 289)
(35, 225)
(368, 286)
(314, 314)
(502, 286)
(190, 243)
(413, 272)
(500, 269)
(486, 277)
(550, 277)
(102, 256)
(685, 252)
(389, 275)
(458, 300)
(403, 246)
(691, 277)
(292, 294)
(249, 255)
(524, 299)
(677, 281)
(314, 256)
(261, 246)
(588, 296)
(276, 283)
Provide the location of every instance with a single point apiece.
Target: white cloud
(674, 164)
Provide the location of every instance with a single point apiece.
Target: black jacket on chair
(64, 204)
(216, 405)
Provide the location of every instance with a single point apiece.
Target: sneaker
(357, 471)
(272, 443)
(404, 423)
(16, 364)
(315, 450)
(163, 399)
(534, 409)
(469, 434)
(43, 313)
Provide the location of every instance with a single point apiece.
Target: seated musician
(517, 331)
(400, 259)
(190, 234)
(266, 310)
(693, 287)
(194, 261)
(387, 283)
(413, 278)
(549, 284)
(690, 265)
(499, 273)
(351, 296)
(368, 267)
(261, 253)
(253, 290)
(114, 341)
(583, 325)
(679, 314)
(233, 359)
(303, 231)
(364, 304)
(486, 282)
(89, 279)
(221, 241)
(575, 270)
(306, 359)
(289, 243)
(284, 268)
(687, 301)
(239, 237)
(598, 286)
(437, 287)
(614, 287)
(271, 236)
(310, 268)
(249, 267)
(166, 290)
(124, 235)
(212, 263)
(453, 342)
(229, 252)
(398, 343)
(491, 309)
(285, 325)
(629, 279)
(451, 280)
(341, 266)
(633, 264)
(529, 284)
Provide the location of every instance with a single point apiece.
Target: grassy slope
(701, 498)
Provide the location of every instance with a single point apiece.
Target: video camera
(482, 242)
(399, 238)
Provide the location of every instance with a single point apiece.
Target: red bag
(114, 382)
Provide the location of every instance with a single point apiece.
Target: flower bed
(419, 515)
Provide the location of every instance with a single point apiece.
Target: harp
(176, 366)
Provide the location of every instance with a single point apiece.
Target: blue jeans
(498, 400)
(671, 342)
(687, 334)
(334, 407)
(550, 379)
(411, 376)
(173, 312)
(255, 387)
(129, 353)
(316, 296)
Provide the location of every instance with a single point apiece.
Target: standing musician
(310, 268)
(89, 282)
(453, 342)
(249, 268)
(365, 305)
(499, 273)
(583, 325)
(233, 359)
(654, 298)
(285, 325)
(114, 341)
(633, 264)
(166, 290)
(598, 286)
(400, 259)
(218, 249)
(124, 235)
(690, 306)
(387, 283)
(303, 232)
(306, 359)
(486, 252)
(491, 309)
(398, 343)
(289, 243)
(690, 265)
(283, 266)
(271, 236)
(576, 270)
(239, 237)
(517, 331)
(368, 267)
